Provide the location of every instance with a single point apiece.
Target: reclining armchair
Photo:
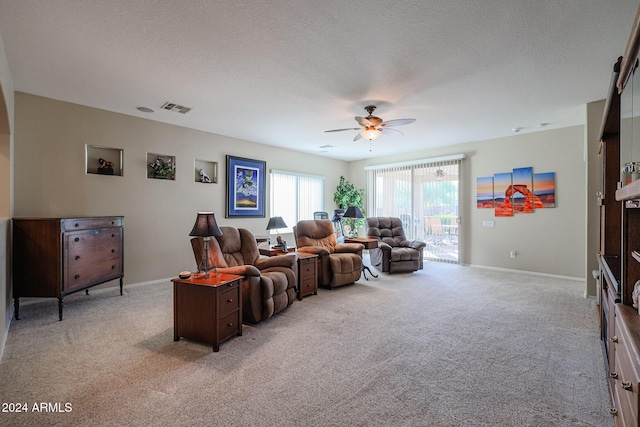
(339, 263)
(394, 254)
(269, 284)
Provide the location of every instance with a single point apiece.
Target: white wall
(549, 241)
(51, 180)
(593, 173)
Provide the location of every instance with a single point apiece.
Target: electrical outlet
(488, 223)
(513, 254)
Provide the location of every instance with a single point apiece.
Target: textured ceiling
(281, 72)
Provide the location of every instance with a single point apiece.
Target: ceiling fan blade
(340, 130)
(364, 121)
(357, 137)
(398, 122)
(388, 131)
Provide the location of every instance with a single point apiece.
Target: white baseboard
(532, 273)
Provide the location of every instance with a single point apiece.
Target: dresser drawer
(308, 286)
(95, 237)
(229, 300)
(87, 273)
(79, 254)
(229, 326)
(87, 223)
(307, 269)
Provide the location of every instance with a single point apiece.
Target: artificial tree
(348, 195)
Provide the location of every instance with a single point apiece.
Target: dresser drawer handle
(614, 375)
(626, 385)
(229, 324)
(77, 257)
(230, 300)
(614, 339)
(76, 225)
(613, 411)
(77, 239)
(113, 251)
(113, 235)
(113, 267)
(77, 276)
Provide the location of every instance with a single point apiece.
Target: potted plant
(348, 195)
(162, 168)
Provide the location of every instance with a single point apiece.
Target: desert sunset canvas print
(484, 192)
(522, 197)
(502, 201)
(544, 187)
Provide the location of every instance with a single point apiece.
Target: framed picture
(245, 187)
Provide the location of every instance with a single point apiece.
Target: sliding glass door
(425, 196)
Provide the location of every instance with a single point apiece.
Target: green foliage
(348, 195)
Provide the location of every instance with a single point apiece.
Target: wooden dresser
(54, 257)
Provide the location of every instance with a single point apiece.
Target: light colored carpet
(446, 346)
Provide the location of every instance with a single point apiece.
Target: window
(424, 195)
(295, 196)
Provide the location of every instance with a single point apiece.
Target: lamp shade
(353, 212)
(370, 133)
(205, 225)
(276, 222)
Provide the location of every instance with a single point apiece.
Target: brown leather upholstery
(394, 253)
(269, 284)
(339, 263)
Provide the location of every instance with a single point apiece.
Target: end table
(369, 243)
(207, 310)
(307, 274)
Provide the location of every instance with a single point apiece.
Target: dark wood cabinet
(307, 274)
(619, 253)
(207, 310)
(54, 257)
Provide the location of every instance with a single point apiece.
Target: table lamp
(353, 212)
(206, 227)
(276, 222)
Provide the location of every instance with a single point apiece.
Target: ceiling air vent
(172, 106)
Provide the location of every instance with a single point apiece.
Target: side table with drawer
(207, 310)
(55, 257)
(307, 274)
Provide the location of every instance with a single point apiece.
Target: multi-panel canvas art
(516, 192)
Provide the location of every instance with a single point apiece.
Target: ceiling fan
(373, 127)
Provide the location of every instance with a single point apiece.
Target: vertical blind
(295, 196)
(419, 194)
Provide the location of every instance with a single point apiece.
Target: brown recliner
(394, 254)
(339, 263)
(269, 284)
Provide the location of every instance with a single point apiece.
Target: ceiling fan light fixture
(370, 133)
